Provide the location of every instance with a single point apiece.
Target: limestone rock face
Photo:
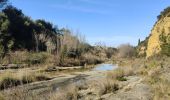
(162, 26)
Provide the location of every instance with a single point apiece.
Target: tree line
(20, 32)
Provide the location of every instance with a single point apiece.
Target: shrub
(161, 90)
(165, 45)
(25, 57)
(9, 79)
(8, 82)
(110, 52)
(119, 74)
(115, 74)
(36, 58)
(107, 86)
(2, 97)
(126, 50)
(68, 93)
(91, 59)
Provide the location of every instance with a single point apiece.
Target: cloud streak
(78, 7)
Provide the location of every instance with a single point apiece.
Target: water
(81, 78)
(105, 67)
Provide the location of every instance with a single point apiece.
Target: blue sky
(112, 22)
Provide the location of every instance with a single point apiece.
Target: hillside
(159, 40)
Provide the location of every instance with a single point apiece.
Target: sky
(110, 22)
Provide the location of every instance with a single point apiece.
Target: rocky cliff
(161, 27)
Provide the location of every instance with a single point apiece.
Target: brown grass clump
(68, 93)
(120, 73)
(102, 86)
(34, 77)
(161, 90)
(2, 97)
(10, 79)
(160, 85)
(107, 86)
(115, 74)
(128, 71)
(92, 59)
(30, 58)
(156, 79)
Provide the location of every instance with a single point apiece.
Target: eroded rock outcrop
(162, 27)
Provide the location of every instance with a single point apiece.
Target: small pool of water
(105, 67)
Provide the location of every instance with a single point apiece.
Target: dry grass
(160, 86)
(153, 72)
(107, 86)
(30, 58)
(92, 59)
(161, 90)
(2, 97)
(120, 73)
(10, 79)
(72, 91)
(20, 94)
(68, 93)
(102, 86)
(115, 74)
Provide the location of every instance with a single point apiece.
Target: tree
(165, 44)
(38, 35)
(139, 42)
(3, 3)
(110, 52)
(6, 44)
(25, 34)
(126, 50)
(164, 13)
(20, 28)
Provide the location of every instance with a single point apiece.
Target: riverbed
(44, 87)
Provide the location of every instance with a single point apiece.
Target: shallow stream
(105, 67)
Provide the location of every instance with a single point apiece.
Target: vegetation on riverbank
(32, 50)
(27, 41)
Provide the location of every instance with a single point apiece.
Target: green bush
(36, 58)
(165, 49)
(164, 13)
(165, 46)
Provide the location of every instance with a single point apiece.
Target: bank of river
(136, 89)
(44, 87)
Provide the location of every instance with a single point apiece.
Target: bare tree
(126, 50)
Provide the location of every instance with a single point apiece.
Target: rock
(138, 92)
(162, 26)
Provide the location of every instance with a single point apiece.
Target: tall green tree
(139, 41)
